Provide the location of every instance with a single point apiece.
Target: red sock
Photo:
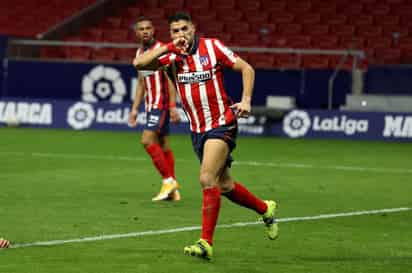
(170, 159)
(240, 195)
(158, 158)
(210, 213)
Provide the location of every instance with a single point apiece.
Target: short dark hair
(141, 19)
(180, 15)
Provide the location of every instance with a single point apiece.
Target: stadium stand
(379, 27)
(24, 18)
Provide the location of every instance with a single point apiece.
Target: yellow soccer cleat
(272, 230)
(166, 191)
(200, 249)
(175, 196)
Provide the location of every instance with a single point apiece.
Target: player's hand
(242, 109)
(178, 46)
(134, 62)
(133, 118)
(174, 115)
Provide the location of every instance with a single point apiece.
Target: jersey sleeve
(224, 55)
(167, 59)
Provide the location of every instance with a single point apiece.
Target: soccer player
(160, 106)
(198, 65)
(4, 243)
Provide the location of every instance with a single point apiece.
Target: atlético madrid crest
(204, 60)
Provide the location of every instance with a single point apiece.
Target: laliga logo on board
(297, 123)
(82, 115)
(102, 82)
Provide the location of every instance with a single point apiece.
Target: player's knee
(206, 179)
(146, 141)
(226, 184)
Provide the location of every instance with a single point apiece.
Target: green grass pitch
(61, 185)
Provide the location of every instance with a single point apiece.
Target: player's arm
(243, 108)
(174, 114)
(149, 59)
(137, 100)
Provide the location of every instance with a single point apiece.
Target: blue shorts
(227, 133)
(158, 121)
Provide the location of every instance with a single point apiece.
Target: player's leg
(168, 153)
(214, 158)
(155, 127)
(150, 141)
(239, 194)
(165, 143)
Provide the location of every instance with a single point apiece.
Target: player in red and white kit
(160, 107)
(198, 65)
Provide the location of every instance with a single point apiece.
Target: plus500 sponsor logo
(298, 123)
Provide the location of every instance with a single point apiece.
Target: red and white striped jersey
(199, 78)
(155, 85)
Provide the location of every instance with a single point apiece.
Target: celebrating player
(198, 65)
(160, 106)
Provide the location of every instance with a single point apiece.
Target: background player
(199, 63)
(160, 106)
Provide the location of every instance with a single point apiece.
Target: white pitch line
(192, 228)
(240, 163)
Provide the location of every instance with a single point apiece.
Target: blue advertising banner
(345, 125)
(116, 83)
(80, 115)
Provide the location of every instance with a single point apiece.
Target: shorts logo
(80, 115)
(103, 83)
(153, 121)
(194, 77)
(296, 123)
(204, 60)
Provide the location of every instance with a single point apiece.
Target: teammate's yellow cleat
(166, 191)
(175, 196)
(269, 219)
(200, 249)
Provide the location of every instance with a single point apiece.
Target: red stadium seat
(103, 54)
(290, 29)
(343, 30)
(369, 31)
(388, 20)
(362, 20)
(298, 41)
(287, 61)
(311, 19)
(315, 62)
(379, 42)
(299, 7)
(260, 60)
(282, 18)
(316, 30)
(237, 27)
(334, 19)
(325, 42)
(229, 15)
(274, 6)
(388, 56)
(324, 8)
